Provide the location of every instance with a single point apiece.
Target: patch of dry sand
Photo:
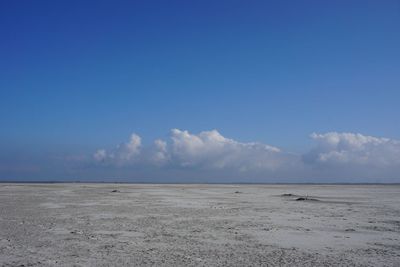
(199, 225)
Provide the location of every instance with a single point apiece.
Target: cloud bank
(206, 150)
(124, 153)
(334, 156)
(350, 148)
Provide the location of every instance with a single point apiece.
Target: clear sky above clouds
(293, 91)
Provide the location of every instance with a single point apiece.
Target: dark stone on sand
(287, 195)
(306, 198)
(115, 191)
(238, 192)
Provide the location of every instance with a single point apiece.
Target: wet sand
(199, 225)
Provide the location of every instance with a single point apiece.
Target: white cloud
(358, 149)
(160, 155)
(122, 154)
(211, 150)
(206, 150)
(339, 156)
(100, 155)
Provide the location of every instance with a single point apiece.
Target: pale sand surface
(199, 225)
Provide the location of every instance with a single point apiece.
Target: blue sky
(78, 76)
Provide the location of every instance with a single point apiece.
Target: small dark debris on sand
(350, 230)
(115, 191)
(299, 198)
(306, 199)
(238, 192)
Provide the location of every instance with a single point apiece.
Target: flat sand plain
(199, 225)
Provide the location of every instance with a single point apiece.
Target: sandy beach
(199, 225)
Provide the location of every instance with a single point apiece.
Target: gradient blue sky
(76, 76)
